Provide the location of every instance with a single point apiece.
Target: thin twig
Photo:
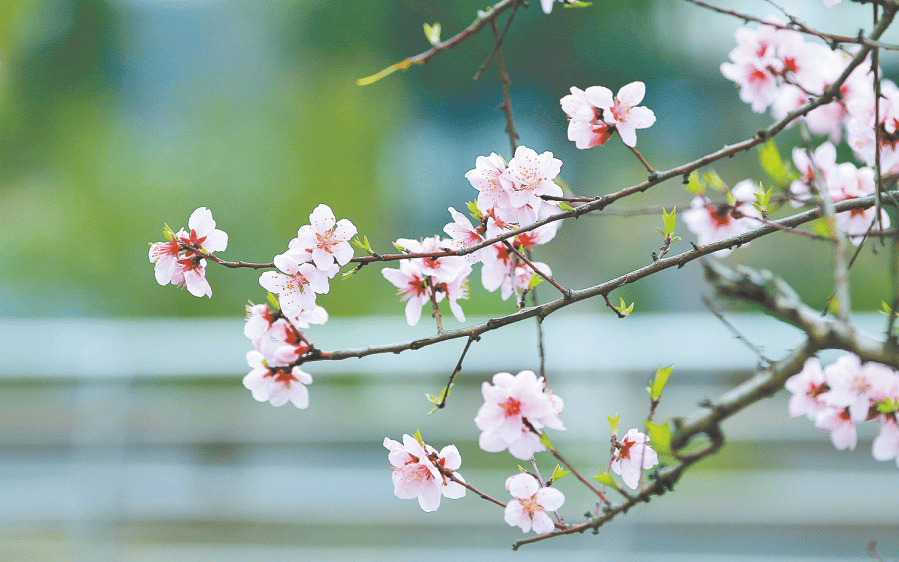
(530, 264)
(456, 371)
(764, 361)
(506, 106)
(499, 41)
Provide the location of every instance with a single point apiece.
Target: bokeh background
(117, 116)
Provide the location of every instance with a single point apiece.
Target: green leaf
(886, 308)
(521, 469)
(168, 232)
(348, 273)
(613, 423)
(822, 227)
(565, 206)
(773, 164)
(669, 220)
(606, 479)
(731, 200)
(676, 239)
(544, 440)
(535, 280)
(432, 33)
(658, 383)
(402, 65)
(695, 185)
(417, 437)
(578, 4)
(623, 308)
(559, 472)
(660, 437)
(888, 405)
(474, 211)
(273, 304)
(400, 249)
(714, 180)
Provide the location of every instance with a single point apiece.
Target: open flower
(415, 474)
(276, 385)
(515, 409)
(531, 503)
(632, 453)
(327, 239)
(622, 111)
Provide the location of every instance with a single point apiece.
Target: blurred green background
(118, 116)
(127, 439)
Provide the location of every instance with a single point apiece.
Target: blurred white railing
(114, 433)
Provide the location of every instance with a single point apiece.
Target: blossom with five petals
(415, 474)
(531, 503)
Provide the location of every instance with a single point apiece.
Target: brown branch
(506, 106)
(796, 25)
(456, 371)
(530, 264)
(484, 17)
(545, 310)
(499, 40)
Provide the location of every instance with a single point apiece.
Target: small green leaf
(658, 383)
(521, 469)
(714, 180)
(273, 304)
(660, 437)
(432, 33)
(544, 440)
(695, 185)
(578, 4)
(606, 479)
(402, 65)
(417, 437)
(168, 232)
(432, 398)
(565, 206)
(676, 239)
(886, 308)
(888, 405)
(348, 273)
(613, 423)
(731, 200)
(773, 165)
(559, 472)
(822, 227)
(400, 249)
(476, 213)
(624, 308)
(669, 220)
(535, 280)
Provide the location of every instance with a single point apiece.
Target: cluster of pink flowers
(423, 280)
(515, 410)
(278, 345)
(530, 504)
(776, 68)
(712, 222)
(509, 197)
(845, 393)
(631, 456)
(179, 261)
(416, 474)
(820, 173)
(595, 114)
(312, 258)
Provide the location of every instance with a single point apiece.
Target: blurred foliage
(118, 116)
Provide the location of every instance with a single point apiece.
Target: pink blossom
(297, 285)
(807, 387)
(415, 474)
(259, 318)
(713, 222)
(276, 385)
(281, 345)
(527, 177)
(622, 111)
(486, 179)
(841, 426)
(849, 385)
(585, 126)
(886, 444)
(515, 407)
(203, 232)
(465, 235)
(412, 287)
(301, 318)
(629, 453)
(531, 504)
(165, 257)
(327, 239)
(191, 273)
(814, 170)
